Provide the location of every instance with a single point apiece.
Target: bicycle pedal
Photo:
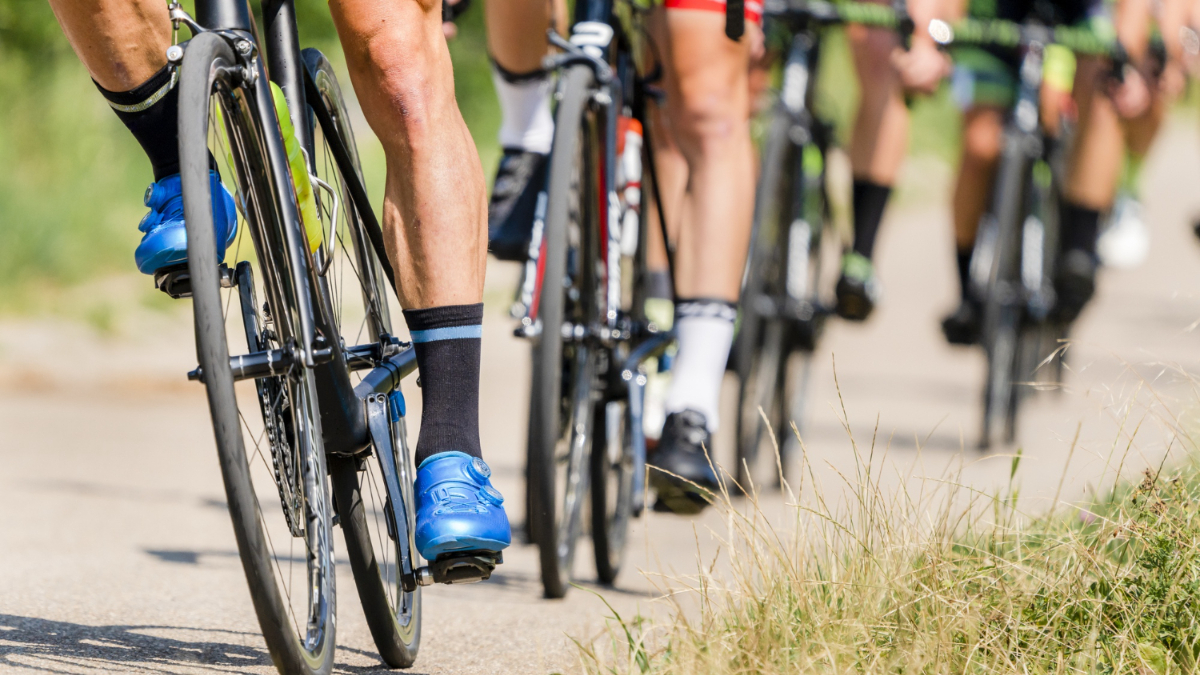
(176, 280)
(460, 568)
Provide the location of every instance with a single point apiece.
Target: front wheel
(564, 365)
(268, 431)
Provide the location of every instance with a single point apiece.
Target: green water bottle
(304, 190)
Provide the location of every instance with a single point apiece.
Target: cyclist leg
(877, 146)
(984, 85)
(707, 114)
(516, 31)
(434, 218)
(123, 45)
(879, 141)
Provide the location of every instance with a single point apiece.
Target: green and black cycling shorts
(987, 76)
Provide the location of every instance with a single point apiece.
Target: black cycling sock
(448, 340)
(869, 200)
(151, 112)
(963, 258)
(1080, 228)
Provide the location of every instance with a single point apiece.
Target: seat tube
(285, 67)
(225, 15)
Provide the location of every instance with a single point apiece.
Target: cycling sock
(869, 200)
(525, 119)
(151, 112)
(705, 330)
(964, 270)
(1080, 226)
(448, 340)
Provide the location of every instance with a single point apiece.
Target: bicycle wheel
(279, 506)
(1003, 311)
(353, 281)
(611, 487)
(564, 367)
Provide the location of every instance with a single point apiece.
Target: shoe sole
(677, 496)
(458, 544)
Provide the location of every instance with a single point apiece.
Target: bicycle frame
(343, 414)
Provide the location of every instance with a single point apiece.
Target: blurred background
(71, 177)
(117, 551)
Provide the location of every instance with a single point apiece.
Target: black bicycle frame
(343, 415)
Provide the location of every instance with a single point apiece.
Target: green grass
(956, 582)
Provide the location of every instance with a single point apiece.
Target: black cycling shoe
(857, 289)
(1074, 284)
(519, 178)
(962, 327)
(680, 452)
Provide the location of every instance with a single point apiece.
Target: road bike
(294, 338)
(581, 302)
(782, 311)
(1016, 250)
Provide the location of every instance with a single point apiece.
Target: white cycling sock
(525, 119)
(705, 333)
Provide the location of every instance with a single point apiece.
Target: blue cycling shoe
(458, 510)
(165, 240)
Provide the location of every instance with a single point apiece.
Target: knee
(707, 119)
(411, 81)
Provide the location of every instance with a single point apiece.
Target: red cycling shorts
(754, 8)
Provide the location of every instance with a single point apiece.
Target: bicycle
(590, 335)
(317, 393)
(1016, 249)
(782, 309)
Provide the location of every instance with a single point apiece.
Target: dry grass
(947, 581)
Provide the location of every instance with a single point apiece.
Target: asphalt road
(116, 553)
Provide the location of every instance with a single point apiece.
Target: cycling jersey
(754, 8)
(987, 76)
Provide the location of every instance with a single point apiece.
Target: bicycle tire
(560, 375)
(360, 497)
(1002, 311)
(207, 62)
(764, 342)
(611, 488)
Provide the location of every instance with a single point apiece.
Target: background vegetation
(71, 177)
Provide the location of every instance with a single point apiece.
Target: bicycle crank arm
(379, 423)
(635, 381)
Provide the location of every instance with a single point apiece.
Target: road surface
(116, 552)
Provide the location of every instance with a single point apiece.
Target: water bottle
(300, 182)
(629, 180)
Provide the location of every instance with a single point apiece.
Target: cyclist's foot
(680, 471)
(963, 325)
(458, 511)
(857, 289)
(1074, 284)
(1126, 241)
(164, 242)
(519, 177)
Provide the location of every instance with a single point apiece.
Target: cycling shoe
(679, 469)
(963, 326)
(857, 289)
(1074, 284)
(458, 510)
(164, 241)
(519, 178)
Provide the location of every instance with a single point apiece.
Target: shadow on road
(41, 645)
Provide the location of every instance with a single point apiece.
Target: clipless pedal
(460, 568)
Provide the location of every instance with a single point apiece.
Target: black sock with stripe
(448, 341)
(151, 111)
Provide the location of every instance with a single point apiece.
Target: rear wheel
(268, 431)
(564, 365)
(356, 288)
